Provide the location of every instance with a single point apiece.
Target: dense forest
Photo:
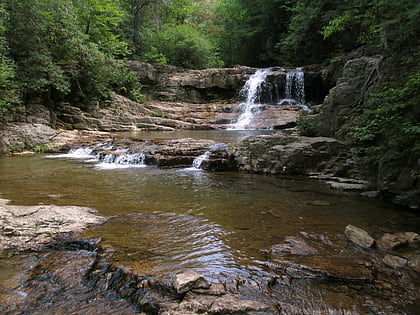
(70, 49)
(53, 51)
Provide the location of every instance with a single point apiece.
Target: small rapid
(105, 157)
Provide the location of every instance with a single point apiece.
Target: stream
(165, 220)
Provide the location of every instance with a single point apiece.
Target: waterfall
(294, 89)
(113, 160)
(251, 92)
(199, 160)
(196, 165)
(106, 157)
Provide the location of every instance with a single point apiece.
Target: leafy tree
(387, 23)
(231, 18)
(185, 46)
(100, 20)
(8, 88)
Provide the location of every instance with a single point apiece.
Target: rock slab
(33, 227)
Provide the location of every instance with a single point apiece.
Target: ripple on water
(163, 243)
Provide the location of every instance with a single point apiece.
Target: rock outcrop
(289, 154)
(331, 119)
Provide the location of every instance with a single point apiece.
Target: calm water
(165, 220)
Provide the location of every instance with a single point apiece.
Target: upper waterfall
(258, 91)
(251, 92)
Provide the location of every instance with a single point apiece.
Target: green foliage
(41, 148)
(233, 30)
(100, 21)
(125, 82)
(305, 126)
(8, 88)
(384, 23)
(183, 45)
(388, 124)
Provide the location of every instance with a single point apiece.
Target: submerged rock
(359, 236)
(293, 245)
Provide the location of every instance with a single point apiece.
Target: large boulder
(188, 280)
(281, 153)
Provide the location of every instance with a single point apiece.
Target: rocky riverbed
(53, 271)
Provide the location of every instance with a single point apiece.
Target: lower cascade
(199, 160)
(116, 159)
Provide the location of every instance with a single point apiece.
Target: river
(164, 220)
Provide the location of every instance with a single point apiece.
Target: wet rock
(293, 245)
(214, 289)
(371, 194)
(34, 227)
(389, 241)
(394, 261)
(341, 268)
(359, 236)
(281, 153)
(188, 280)
(56, 282)
(321, 203)
(227, 304)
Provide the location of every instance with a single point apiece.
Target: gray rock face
(188, 280)
(293, 245)
(359, 236)
(342, 100)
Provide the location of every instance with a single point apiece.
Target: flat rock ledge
(35, 227)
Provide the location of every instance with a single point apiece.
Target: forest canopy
(72, 50)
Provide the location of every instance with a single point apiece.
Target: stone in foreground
(359, 236)
(188, 280)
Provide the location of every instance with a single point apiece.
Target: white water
(80, 153)
(196, 165)
(251, 91)
(118, 159)
(112, 161)
(294, 89)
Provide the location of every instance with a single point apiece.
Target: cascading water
(199, 160)
(257, 91)
(294, 89)
(251, 92)
(196, 165)
(116, 159)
